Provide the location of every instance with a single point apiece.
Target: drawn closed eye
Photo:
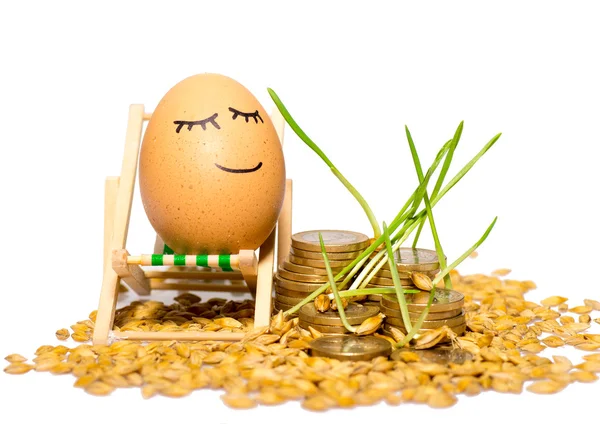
(246, 115)
(202, 123)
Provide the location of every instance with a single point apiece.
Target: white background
(352, 74)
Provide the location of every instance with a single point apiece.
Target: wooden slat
(120, 224)
(111, 185)
(195, 275)
(188, 286)
(177, 335)
(264, 287)
(284, 225)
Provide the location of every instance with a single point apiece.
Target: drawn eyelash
(202, 123)
(246, 115)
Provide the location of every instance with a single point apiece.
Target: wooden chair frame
(258, 274)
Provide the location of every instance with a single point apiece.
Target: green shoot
(370, 291)
(306, 139)
(396, 279)
(334, 289)
(434, 233)
(438, 278)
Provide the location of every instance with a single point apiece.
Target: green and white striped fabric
(169, 258)
(224, 262)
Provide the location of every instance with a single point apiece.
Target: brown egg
(212, 173)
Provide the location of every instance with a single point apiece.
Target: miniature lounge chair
(120, 266)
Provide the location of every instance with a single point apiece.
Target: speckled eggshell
(215, 183)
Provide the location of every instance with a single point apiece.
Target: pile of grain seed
(271, 365)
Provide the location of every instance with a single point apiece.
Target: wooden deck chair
(119, 265)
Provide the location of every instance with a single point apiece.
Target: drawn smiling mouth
(239, 170)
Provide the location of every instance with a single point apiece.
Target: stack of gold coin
(304, 269)
(407, 260)
(446, 309)
(330, 322)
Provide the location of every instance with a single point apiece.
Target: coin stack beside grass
(446, 310)
(329, 322)
(304, 269)
(408, 260)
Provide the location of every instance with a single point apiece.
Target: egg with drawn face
(211, 173)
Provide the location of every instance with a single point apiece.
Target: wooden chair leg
(284, 225)
(105, 317)
(249, 269)
(117, 214)
(264, 286)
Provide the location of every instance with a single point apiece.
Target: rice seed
(584, 376)
(15, 357)
(594, 304)
(322, 303)
(18, 368)
(546, 387)
(501, 272)
(99, 388)
(422, 281)
(370, 325)
(238, 401)
(62, 334)
(553, 341)
(592, 357)
(584, 309)
(553, 301)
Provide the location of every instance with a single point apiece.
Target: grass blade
(448, 160)
(434, 233)
(438, 278)
(307, 140)
(466, 168)
(334, 289)
(396, 279)
(462, 257)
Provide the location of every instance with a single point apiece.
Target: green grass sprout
(396, 279)
(409, 218)
(307, 140)
(438, 278)
(434, 233)
(334, 289)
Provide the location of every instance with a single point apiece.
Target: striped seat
(223, 262)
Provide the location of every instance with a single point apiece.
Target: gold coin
(388, 282)
(386, 273)
(444, 300)
(289, 300)
(282, 306)
(356, 313)
(301, 269)
(329, 329)
(295, 285)
(335, 256)
(291, 293)
(276, 311)
(350, 348)
(334, 241)
(431, 316)
(292, 276)
(408, 259)
(318, 263)
(450, 322)
(369, 302)
(438, 355)
(459, 330)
